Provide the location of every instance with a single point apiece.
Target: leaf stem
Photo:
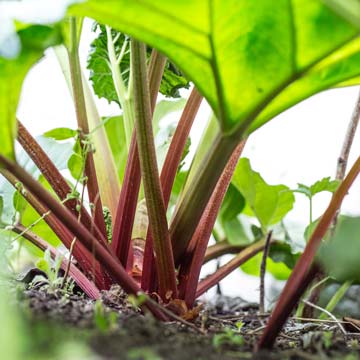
(124, 94)
(232, 265)
(168, 173)
(190, 210)
(126, 209)
(192, 261)
(263, 272)
(81, 115)
(340, 293)
(150, 175)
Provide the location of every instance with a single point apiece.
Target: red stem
(193, 260)
(226, 269)
(168, 173)
(126, 209)
(55, 179)
(150, 175)
(290, 295)
(220, 249)
(110, 263)
(85, 284)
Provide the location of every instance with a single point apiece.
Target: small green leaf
(324, 184)
(257, 232)
(76, 166)
(282, 252)
(61, 133)
(269, 203)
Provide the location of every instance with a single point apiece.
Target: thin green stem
(340, 293)
(150, 175)
(124, 94)
(81, 115)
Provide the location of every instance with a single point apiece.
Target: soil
(228, 328)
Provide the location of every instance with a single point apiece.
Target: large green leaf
(269, 203)
(34, 39)
(243, 54)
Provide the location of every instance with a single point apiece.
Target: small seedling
(137, 301)
(51, 269)
(143, 353)
(104, 320)
(229, 337)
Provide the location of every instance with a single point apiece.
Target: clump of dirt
(228, 328)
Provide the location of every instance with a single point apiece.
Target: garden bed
(227, 329)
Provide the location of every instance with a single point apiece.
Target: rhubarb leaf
(251, 60)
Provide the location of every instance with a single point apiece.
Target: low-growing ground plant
(132, 214)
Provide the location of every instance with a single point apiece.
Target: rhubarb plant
(147, 223)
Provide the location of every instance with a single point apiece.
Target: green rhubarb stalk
(81, 115)
(124, 93)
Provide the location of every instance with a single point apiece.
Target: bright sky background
(301, 145)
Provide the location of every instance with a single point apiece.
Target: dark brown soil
(131, 335)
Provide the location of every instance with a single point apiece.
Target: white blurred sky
(300, 145)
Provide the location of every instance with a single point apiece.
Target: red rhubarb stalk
(193, 260)
(126, 209)
(168, 173)
(150, 176)
(55, 179)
